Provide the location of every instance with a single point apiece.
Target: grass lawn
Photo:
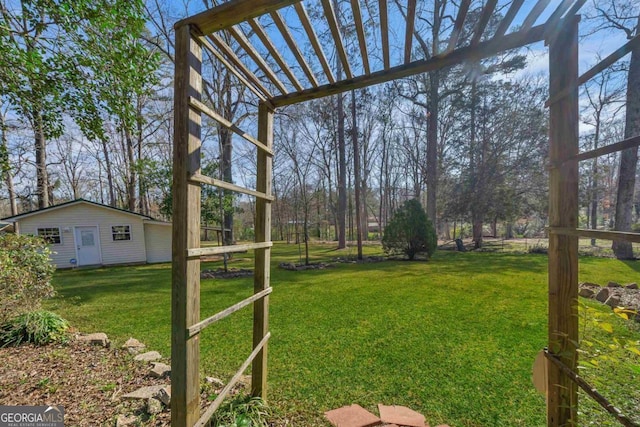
(453, 338)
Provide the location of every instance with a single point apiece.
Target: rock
(144, 393)
(401, 415)
(126, 420)
(613, 301)
(164, 395)
(99, 338)
(133, 346)
(160, 370)
(216, 382)
(154, 406)
(149, 356)
(632, 286)
(603, 295)
(613, 285)
(586, 293)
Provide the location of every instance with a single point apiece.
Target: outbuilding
(82, 233)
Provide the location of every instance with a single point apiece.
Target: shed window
(51, 235)
(121, 232)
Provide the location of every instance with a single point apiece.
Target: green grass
(453, 338)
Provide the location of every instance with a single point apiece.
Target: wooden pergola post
(185, 275)
(262, 275)
(562, 399)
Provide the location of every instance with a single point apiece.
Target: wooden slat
(384, 33)
(608, 149)
(229, 249)
(277, 56)
(198, 327)
(564, 118)
(619, 53)
(508, 18)
(226, 123)
(482, 50)
(596, 234)
(332, 19)
(408, 35)
(262, 263)
(313, 38)
(591, 391)
(261, 95)
(231, 13)
(236, 32)
(286, 34)
(601, 66)
(203, 179)
(457, 26)
(487, 11)
(204, 419)
(535, 13)
(185, 273)
(362, 41)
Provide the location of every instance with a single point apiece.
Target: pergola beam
(286, 34)
(457, 26)
(384, 33)
(236, 32)
(266, 41)
(357, 17)
(483, 21)
(535, 13)
(313, 38)
(508, 18)
(482, 50)
(232, 13)
(408, 35)
(332, 20)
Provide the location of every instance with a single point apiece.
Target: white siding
(85, 214)
(158, 242)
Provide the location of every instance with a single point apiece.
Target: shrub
(241, 411)
(410, 232)
(25, 276)
(36, 327)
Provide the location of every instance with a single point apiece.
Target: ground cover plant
(453, 338)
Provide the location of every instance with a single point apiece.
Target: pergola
(559, 30)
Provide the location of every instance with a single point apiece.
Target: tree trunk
(109, 172)
(628, 158)
(594, 183)
(131, 179)
(432, 124)
(478, 221)
(5, 167)
(356, 173)
(42, 177)
(342, 178)
(227, 175)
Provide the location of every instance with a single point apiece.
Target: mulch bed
(86, 380)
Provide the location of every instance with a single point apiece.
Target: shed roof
(72, 203)
(296, 79)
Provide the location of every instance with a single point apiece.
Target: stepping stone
(164, 395)
(401, 415)
(160, 370)
(149, 356)
(99, 338)
(133, 346)
(352, 416)
(144, 392)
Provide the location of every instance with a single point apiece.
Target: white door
(87, 246)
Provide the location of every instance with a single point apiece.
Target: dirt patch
(231, 273)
